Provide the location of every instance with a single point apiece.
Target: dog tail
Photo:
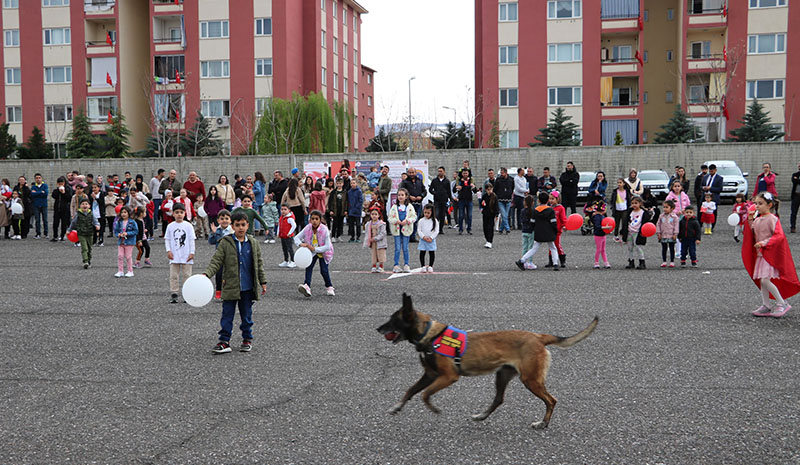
(572, 340)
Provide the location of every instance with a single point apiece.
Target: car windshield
(653, 176)
(728, 171)
(587, 177)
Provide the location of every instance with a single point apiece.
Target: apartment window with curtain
(59, 36)
(10, 3)
(765, 89)
(14, 114)
(215, 69)
(263, 26)
(12, 38)
(509, 97)
(214, 29)
(55, 2)
(508, 11)
(563, 96)
(13, 76)
(58, 113)
(509, 139)
(216, 108)
(766, 43)
(766, 3)
(58, 75)
(563, 52)
(564, 9)
(264, 67)
(508, 55)
(98, 108)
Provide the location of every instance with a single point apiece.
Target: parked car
(733, 180)
(656, 181)
(583, 184)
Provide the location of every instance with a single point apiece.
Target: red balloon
(648, 229)
(608, 224)
(118, 208)
(73, 236)
(574, 222)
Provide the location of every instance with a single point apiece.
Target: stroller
(587, 227)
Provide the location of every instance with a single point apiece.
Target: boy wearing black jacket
(689, 235)
(62, 195)
(489, 210)
(545, 230)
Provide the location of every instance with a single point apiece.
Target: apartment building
(623, 65)
(163, 60)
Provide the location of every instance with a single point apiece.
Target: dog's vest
(451, 343)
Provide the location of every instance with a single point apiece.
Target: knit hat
(295, 170)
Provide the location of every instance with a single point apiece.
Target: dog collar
(427, 328)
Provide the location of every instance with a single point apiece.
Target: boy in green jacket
(239, 255)
(247, 209)
(85, 224)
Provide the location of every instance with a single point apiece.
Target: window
(355, 89)
(670, 14)
(509, 97)
(13, 76)
(508, 11)
(216, 108)
(766, 3)
(335, 46)
(58, 113)
(345, 86)
(563, 52)
(698, 94)
(175, 34)
(344, 51)
(261, 106)
(669, 55)
(57, 36)
(621, 96)
(645, 56)
(355, 56)
(10, 3)
(264, 67)
(768, 88)
(324, 77)
(215, 69)
(170, 107)
(335, 81)
(213, 29)
(369, 100)
(701, 49)
(99, 108)
(12, 38)
(766, 43)
(14, 114)
(369, 122)
(509, 139)
(508, 55)
(558, 96)
(58, 75)
(369, 79)
(166, 66)
(668, 96)
(324, 39)
(563, 9)
(263, 26)
(621, 53)
(55, 2)
(344, 15)
(644, 97)
(322, 6)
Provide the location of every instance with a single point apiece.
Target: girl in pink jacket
(667, 230)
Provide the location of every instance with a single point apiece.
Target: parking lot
(103, 370)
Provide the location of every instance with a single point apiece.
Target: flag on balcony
(177, 115)
(725, 10)
(725, 54)
(108, 39)
(725, 108)
(110, 117)
(638, 57)
(177, 2)
(640, 22)
(108, 80)
(177, 77)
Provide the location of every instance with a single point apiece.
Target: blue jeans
(400, 242)
(505, 205)
(40, 214)
(323, 270)
(156, 213)
(464, 215)
(245, 311)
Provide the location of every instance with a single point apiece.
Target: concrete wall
(615, 161)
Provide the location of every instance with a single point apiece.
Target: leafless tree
(722, 78)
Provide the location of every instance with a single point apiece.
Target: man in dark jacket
(546, 181)
(416, 192)
(795, 199)
(27, 203)
(39, 194)
(504, 190)
(62, 194)
(569, 180)
(533, 181)
(465, 188)
(278, 186)
(698, 185)
(440, 189)
(713, 183)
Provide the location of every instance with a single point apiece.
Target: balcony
(619, 96)
(617, 111)
(705, 63)
(98, 48)
(619, 14)
(619, 66)
(98, 8)
(168, 34)
(167, 6)
(707, 14)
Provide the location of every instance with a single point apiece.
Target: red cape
(777, 254)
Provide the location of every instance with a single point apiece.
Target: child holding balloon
(600, 225)
(84, 224)
(316, 238)
(632, 223)
(740, 210)
(561, 222)
(179, 241)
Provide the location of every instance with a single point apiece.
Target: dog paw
(539, 425)
(433, 409)
(479, 416)
(396, 409)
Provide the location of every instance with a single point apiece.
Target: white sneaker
(397, 269)
(330, 291)
(291, 265)
(283, 264)
(333, 239)
(406, 269)
(266, 241)
(380, 269)
(129, 274)
(374, 270)
(488, 245)
(304, 289)
(119, 274)
(430, 269)
(272, 241)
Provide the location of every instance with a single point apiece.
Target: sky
(431, 40)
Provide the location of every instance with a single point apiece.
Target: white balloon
(16, 209)
(198, 290)
(201, 212)
(303, 257)
(733, 219)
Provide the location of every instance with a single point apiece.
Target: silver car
(657, 181)
(584, 182)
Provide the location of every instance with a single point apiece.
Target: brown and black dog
(505, 353)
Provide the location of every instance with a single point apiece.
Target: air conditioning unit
(604, 54)
(222, 122)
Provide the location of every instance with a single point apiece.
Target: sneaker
(330, 291)
(607, 265)
(147, 263)
(763, 311)
(304, 289)
(780, 310)
(430, 269)
(488, 245)
(520, 265)
(90, 264)
(272, 241)
(100, 244)
(54, 240)
(85, 265)
(137, 265)
(266, 241)
(470, 233)
(380, 269)
(374, 269)
(672, 264)
(291, 265)
(246, 346)
(597, 265)
(663, 264)
(221, 348)
(60, 239)
(333, 239)
(283, 264)
(119, 274)
(37, 237)
(217, 295)
(683, 263)
(397, 269)
(406, 269)
(694, 263)
(173, 299)
(129, 274)
(736, 238)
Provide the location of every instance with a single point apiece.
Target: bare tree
(246, 123)
(167, 113)
(722, 78)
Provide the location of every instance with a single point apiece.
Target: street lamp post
(454, 113)
(410, 128)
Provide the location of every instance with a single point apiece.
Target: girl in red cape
(767, 258)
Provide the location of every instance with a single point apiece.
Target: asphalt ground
(102, 370)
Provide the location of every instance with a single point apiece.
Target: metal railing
(630, 15)
(99, 3)
(162, 40)
(616, 103)
(705, 11)
(167, 1)
(619, 60)
(706, 56)
(90, 43)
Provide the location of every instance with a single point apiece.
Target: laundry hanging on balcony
(606, 90)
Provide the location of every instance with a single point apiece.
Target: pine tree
(454, 137)
(81, 142)
(36, 147)
(560, 132)
(117, 135)
(201, 139)
(679, 130)
(8, 143)
(383, 142)
(755, 126)
(618, 139)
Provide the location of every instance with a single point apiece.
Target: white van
(733, 180)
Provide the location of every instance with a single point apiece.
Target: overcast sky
(432, 40)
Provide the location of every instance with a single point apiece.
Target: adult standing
(795, 199)
(520, 191)
(597, 188)
(39, 194)
(546, 181)
(226, 192)
(385, 188)
(765, 181)
(259, 191)
(680, 175)
(27, 205)
(465, 188)
(155, 184)
(140, 185)
(277, 186)
(441, 191)
(634, 183)
(169, 183)
(504, 190)
(294, 198)
(194, 187)
(713, 184)
(533, 183)
(698, 185)
(490, 179)
(569, 180)
(62, 195)
(416, 192)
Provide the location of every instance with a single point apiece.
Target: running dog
(505, 353)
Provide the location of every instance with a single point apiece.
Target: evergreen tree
(560, 132)
(117, 135)
(618, 139)
(36, 147)
(383, 142)
(81, 142)
(201, 139)
(454, 137)
(755, 126)
(679, 130)
(8, 143)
